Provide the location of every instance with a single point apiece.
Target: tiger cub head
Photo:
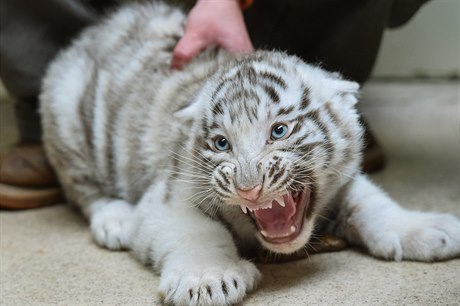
(275, 138)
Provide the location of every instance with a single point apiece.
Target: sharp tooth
(280, 200)
(264, 233)
(292, 229)
(282, 204)
(244, 209)
(250, 209)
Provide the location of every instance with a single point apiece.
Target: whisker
(192, 161)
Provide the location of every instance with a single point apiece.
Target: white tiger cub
(189, 168)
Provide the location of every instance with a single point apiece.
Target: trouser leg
(342, 35)
(32, 32)
(28, 120)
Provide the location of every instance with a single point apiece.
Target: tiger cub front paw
(111, 225)
(224, 284)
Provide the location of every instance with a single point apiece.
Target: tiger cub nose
(250, 194)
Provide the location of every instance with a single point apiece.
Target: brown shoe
(26, 165)
(12, 197)
(27, 179)
(373, 156)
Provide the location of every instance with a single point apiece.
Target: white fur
(391, 232)
(146, 197)
(111, 223)
(99, 121)
(194, 253)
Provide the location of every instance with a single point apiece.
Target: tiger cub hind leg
(370, 218)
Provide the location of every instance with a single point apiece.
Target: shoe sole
(12, 197)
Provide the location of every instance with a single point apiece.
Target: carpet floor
(48, 257)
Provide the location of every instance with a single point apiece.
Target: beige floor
(47, 255)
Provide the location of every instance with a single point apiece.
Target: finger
(240, 44)
(186, 49)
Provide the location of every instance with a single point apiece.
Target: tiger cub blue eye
(279, 131)
(221, 144)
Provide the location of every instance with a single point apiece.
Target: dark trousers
(342, 35)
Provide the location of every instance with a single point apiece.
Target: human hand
(212, 22)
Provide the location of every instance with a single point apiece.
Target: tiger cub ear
(330, 86)
(345, 87)
(341, 91)
(194, 109)
(189, 112)
(346, 92)
(342, 86)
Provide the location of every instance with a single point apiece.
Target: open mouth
(281, 219)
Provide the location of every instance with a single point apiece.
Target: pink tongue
(277, 220)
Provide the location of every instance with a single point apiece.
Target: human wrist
(243, 4)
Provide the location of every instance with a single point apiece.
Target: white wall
(428, 45)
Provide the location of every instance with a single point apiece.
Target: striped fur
(134, 145)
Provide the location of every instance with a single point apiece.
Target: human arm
(211, 23)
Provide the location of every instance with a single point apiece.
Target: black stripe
(224, 177)
(250, 75)
(274, 166)
(337, 122)
(305, 98)
(308, 148)
(242, 94)
(254, 113)
(248, 112)
(111, 114)
(217, 109)
(86, 113)
(213, 125)
(315, 116)
(272, 93)
(297, 127)
(271, 171)
(233, 114)
(277, 176)
(273, 78)
(285, 181)
(220, 194)
(285, 110)
(218, 89)
(301, 118)
(299, 141)
(221, 185)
